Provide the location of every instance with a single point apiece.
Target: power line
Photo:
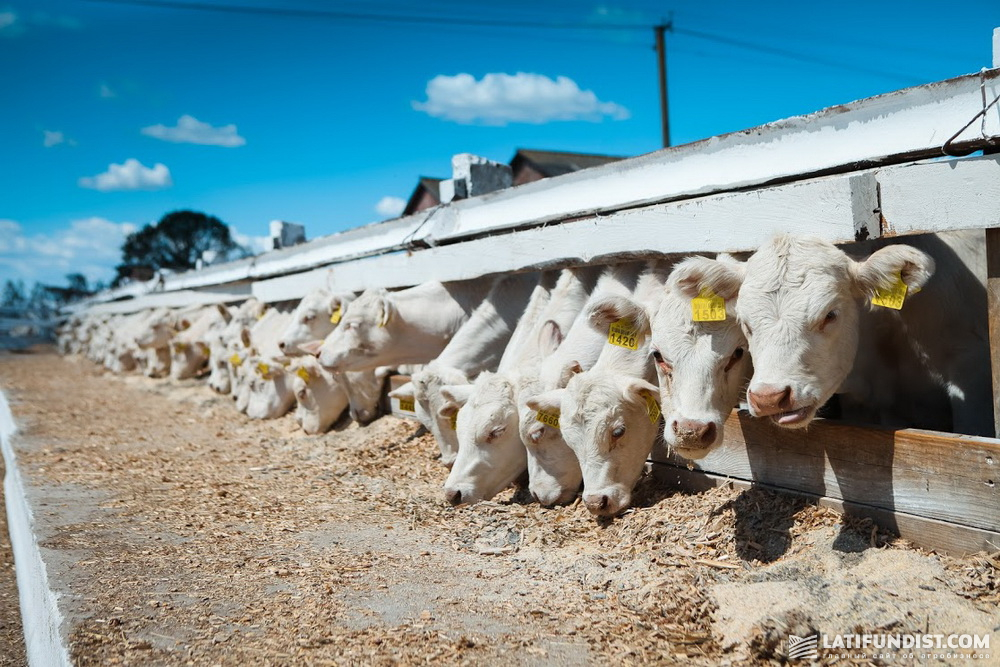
(802, 57)
(363, 16)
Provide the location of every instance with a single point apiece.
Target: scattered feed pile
(181, 532)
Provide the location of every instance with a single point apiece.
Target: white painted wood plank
(898, 123)
(179, 299)
(829, 207)
(935, 196)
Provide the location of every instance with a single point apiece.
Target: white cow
(225, 346)
(322, 395)
(316, 316)
(476, 347)
(805, 304)
(267, 382)
(608, 411)
(491, 453)
(412, 326)
(189, 348)
(154, 337)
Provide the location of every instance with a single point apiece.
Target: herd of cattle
(570, 375)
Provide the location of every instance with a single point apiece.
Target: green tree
(14, 294)
(176, 242)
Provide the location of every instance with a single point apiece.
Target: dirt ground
(12, 650)
(188, 534)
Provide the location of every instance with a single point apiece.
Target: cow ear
(224, 312)
(884, 266)
(549, 401)
(569, 370)
(722, 276)
(456, 393)
(403, 391)
(550, 337)
(312, 347)
(637, 390)
(454, 399)
(609, 309)
(386, 311)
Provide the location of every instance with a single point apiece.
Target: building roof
(431, 187)
(556, 163)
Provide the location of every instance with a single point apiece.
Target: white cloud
(106, 92)
(500, 98)
(53, 138)
(390, 207)
(91, 246)
(9, 24)
(131, 175)
(255, 244)
(190, 130)
(12, 23)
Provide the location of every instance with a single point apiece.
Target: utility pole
(661, 54)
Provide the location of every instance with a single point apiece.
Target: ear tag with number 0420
(892, 297)
(708, 307)
(623, 334)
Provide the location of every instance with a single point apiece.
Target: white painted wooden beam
(911, 122)
(178, 299)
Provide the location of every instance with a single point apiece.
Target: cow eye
(661, 362)
(301, 393)
(618, 431)
(828, 319)
(736, 356)
(495, 433)
(308, 318)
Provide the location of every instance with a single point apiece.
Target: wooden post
(661, 56)
(993, 304)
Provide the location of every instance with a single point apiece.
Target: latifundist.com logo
(803, 648)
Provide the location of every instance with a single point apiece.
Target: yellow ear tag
(235, 360)
(204, 349)
(335, 316)
(708, 307)
(454, 421)
(180, 346)
(623, 334)
(652, 409)
(892, 297)
(406, 405)
(303, 373)
(548, 419)
(263, 368)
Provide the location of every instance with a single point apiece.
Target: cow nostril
(674, 427)
(454, 496)
(535, 496)
(281, 345)
(707, 436)
(604, 502)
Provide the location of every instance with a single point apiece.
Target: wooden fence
(885, 166)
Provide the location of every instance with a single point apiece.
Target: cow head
(319, 395)
(364, 393)
(490, 453)
(317, 314)
(364, 331)
(799, 306)
(609, 421)
(441, 412)
(702, 366)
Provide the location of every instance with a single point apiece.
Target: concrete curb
(40, 614)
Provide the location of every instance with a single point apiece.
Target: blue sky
(116, 112)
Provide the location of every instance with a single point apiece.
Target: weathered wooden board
(935, 196)
(993, 305)
(941, 476)
(930, 534)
